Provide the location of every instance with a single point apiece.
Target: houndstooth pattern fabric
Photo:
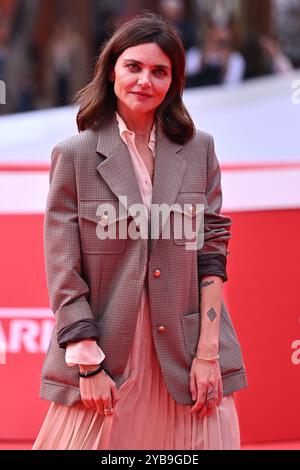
(89, 278)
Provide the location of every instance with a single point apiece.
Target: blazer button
(156, 273)
(161, 328)
(192, 210)
(104, 219)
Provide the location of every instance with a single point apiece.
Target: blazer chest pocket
(102, 226)
(188, 218)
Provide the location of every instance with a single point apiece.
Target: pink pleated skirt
(145, 417)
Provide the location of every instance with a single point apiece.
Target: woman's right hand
(98, 391)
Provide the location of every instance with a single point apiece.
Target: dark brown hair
(97, 99)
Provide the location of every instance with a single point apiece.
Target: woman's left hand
(205, 386)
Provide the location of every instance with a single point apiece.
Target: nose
(144, 80)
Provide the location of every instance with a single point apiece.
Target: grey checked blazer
(102, 280)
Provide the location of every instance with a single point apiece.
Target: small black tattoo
(211, 314)
(206, 283)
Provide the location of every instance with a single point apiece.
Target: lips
(140, 93)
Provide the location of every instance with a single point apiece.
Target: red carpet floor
(280, 445)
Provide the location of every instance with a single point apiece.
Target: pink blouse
(87, 351)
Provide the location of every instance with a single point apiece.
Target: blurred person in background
(174, 11)
(264, 56)
(216, 62)
(133, 361)
(104, 17)
(4, 47)
(66, 64)
(4, 53)
(21, 62)
(279, 62)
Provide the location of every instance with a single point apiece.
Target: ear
(112, 76)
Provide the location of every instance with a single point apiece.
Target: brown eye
(133, 67)
(160, 72)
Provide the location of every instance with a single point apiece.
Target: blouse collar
(124, 130)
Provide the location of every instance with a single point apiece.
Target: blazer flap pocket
(100, 223)
(103, 212)
(188, 218)
(190, 204)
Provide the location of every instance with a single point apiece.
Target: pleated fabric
(145, 417)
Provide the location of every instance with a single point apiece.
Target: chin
(141, 107)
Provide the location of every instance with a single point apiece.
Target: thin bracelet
(208, 359)
(86, 374)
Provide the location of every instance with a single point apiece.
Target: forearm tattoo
(206, 283)
(211, 314)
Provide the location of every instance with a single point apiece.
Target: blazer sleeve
(68, 292)
(212, 257)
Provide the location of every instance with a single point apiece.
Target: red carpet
(279, 445)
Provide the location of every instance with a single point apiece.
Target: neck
(141, 125)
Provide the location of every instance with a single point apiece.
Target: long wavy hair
(97, 100)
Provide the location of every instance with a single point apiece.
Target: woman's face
(142, 77)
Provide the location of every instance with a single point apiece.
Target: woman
(133, 303)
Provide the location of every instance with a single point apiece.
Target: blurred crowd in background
(48, 48)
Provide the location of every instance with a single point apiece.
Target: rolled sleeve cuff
(212, 264)
(82, 329)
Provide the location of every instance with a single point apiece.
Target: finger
(198, 406)
(211, 406)
(114, 394)
(107, 407)
(88, 403)
(85, 403)
(85, 393)
(200, 400)
(193, 388)
(99, 405)
(211, 398)
(203, 411)
(94, 405)
(220, 392)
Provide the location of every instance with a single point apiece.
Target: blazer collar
(118, 171)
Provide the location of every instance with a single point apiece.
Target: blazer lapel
(117, 169)
(169, 171)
